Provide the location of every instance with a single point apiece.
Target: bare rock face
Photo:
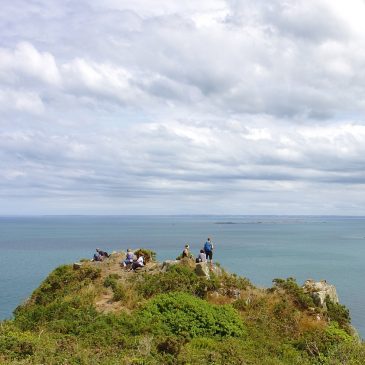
(319, 290)
(168, 263)
(202, 269)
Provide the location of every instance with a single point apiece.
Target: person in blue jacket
(208, 249)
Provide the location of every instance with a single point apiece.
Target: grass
(173, 317)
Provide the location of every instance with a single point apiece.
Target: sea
(260, 248)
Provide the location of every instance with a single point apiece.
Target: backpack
(208, 246)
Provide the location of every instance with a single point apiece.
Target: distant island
(177, 312)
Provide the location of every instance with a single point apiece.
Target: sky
(182, 107)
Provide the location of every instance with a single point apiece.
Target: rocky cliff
(176, 312)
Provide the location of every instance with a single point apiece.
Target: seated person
(186, 252)
(129, 258)
(201, 257)
(97, 257)
(138, 263)
(102, 253)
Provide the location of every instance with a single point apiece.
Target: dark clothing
(103, 253)
(209, 255)
(136, 265)
(97, 257)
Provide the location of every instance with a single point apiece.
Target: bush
(300, 298)
(63, 281)
(16, 343)
(233, 281)
(177, 278)
(170, 345)
(319, 343)
(118, 288)
(147, 254)
(184, 315)
(338, 313)
(349, 353)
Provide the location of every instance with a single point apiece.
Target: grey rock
(202, 269)
(77, 265)
(168, 263)
(319, 290)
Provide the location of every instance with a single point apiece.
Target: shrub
(319, 343)
(176, 278)
(240, 304)
(16, 343)
(147, 254)
(118, 288)
(63, 281)
(63, 315)
(339, 313)
(233, 281)
(290, 286)
(170, 345)
(187, 316)
(351, 353)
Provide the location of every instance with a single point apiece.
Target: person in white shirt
(138, 263)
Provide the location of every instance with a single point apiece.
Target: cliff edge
(176, 312)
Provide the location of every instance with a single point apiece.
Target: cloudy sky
(182, 107)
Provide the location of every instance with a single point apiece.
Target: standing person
(208, 249)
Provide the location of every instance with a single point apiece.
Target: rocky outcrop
(202, 269)
(319, 290)
(77, 265)
(168, 263)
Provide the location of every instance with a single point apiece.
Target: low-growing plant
(63, 281)
(147, 254)
(176, 278)
(118, 289)
(184, 315)
(16, 343)
(290, 286)
(338, 313)
(233, 281)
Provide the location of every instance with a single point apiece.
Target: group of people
(205, 254)
(131, 261)
(100, 255)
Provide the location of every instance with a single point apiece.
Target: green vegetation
(184, 315)
(147, 254)
(297, 294)
(100, 314)
(176, 278)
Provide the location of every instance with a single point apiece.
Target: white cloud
(217, 101)
(29, 102)
(26, 60)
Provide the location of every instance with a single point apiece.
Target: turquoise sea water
(259, 247)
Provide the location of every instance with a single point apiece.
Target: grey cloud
(212, 102)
